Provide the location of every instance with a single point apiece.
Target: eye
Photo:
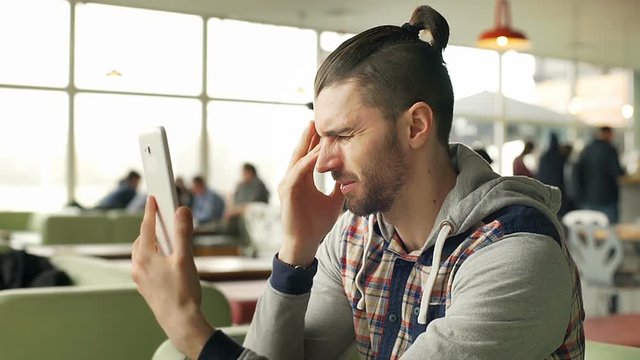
(343, 137)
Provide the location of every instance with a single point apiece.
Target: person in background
(185, 198)
(519, 167)
(552, 168)
(207, 206)
(251, 188)
(123, 194)
(598, 169)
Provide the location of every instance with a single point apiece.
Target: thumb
(183, 221)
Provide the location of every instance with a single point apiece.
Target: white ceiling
(605, 32)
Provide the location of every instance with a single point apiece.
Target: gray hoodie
(495, 273)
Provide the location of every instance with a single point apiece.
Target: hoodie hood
(479, 192)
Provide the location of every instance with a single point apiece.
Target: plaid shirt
(385, 279)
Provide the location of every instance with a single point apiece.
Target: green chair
(601, 351)
(125, 227)
(15, 220)
(101, 317)
(75, 229)
(166, 351)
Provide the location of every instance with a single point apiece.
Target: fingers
(315, 140)
(305, 165)
(183, 231)
(147, 239)
(303, 145)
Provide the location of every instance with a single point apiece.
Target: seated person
(185, 197)
(207, 205)
(250, 189)
(123, 194)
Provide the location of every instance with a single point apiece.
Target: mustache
(343, 176)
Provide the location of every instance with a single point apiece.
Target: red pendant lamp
(502, 36)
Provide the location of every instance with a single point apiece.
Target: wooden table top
(217, 245)
(627, 232)
(226, 268)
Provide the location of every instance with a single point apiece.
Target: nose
(329, 158)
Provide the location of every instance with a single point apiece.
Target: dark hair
(199, 180)
(132, 175)
(396, 69)
(605, 129)
(250, 168)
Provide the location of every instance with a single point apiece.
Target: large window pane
(107, 128)
(34, 38)
(264, 135)
(119, 48)
(33, 136)
(260, 62)
(471, 76)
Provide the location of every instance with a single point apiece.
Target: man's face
(133, 183)
(197, 188)
(360, 148)
(246, 176)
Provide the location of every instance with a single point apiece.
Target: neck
(415, 210)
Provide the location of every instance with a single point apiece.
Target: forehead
(340, 105)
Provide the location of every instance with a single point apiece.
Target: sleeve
(617, 168)
(294, 320)
(218, 207)
(510, 300)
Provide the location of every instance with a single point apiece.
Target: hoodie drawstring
(435, 267)
(361, 272)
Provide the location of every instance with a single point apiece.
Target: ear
(421, 124)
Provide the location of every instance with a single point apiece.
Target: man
(250, 188)
(597, 171)
(123, 194)
(207, 205)
(437, 258)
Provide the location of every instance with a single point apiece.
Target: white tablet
(158, 175)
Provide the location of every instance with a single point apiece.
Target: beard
(381, 179)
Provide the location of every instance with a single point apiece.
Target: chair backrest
(125, 227)
(73, 228)
(595, 247)
(88, 322)
(15, 220)
(585, 217)
(263, 225)
(601, 351)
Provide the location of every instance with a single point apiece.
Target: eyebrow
(338, 132)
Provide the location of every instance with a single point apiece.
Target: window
(329, 40)
(471, 77)
(32, 149)
(264, 135)
(260, 62)
(107, 128)
(148, 51)
(34, 42)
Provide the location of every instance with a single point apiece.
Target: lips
(347, 187)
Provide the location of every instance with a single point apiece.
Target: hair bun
(436, 28)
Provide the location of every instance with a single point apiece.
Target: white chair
(597, 260)
(263, 225)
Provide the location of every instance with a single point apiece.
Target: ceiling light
(502, 36)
